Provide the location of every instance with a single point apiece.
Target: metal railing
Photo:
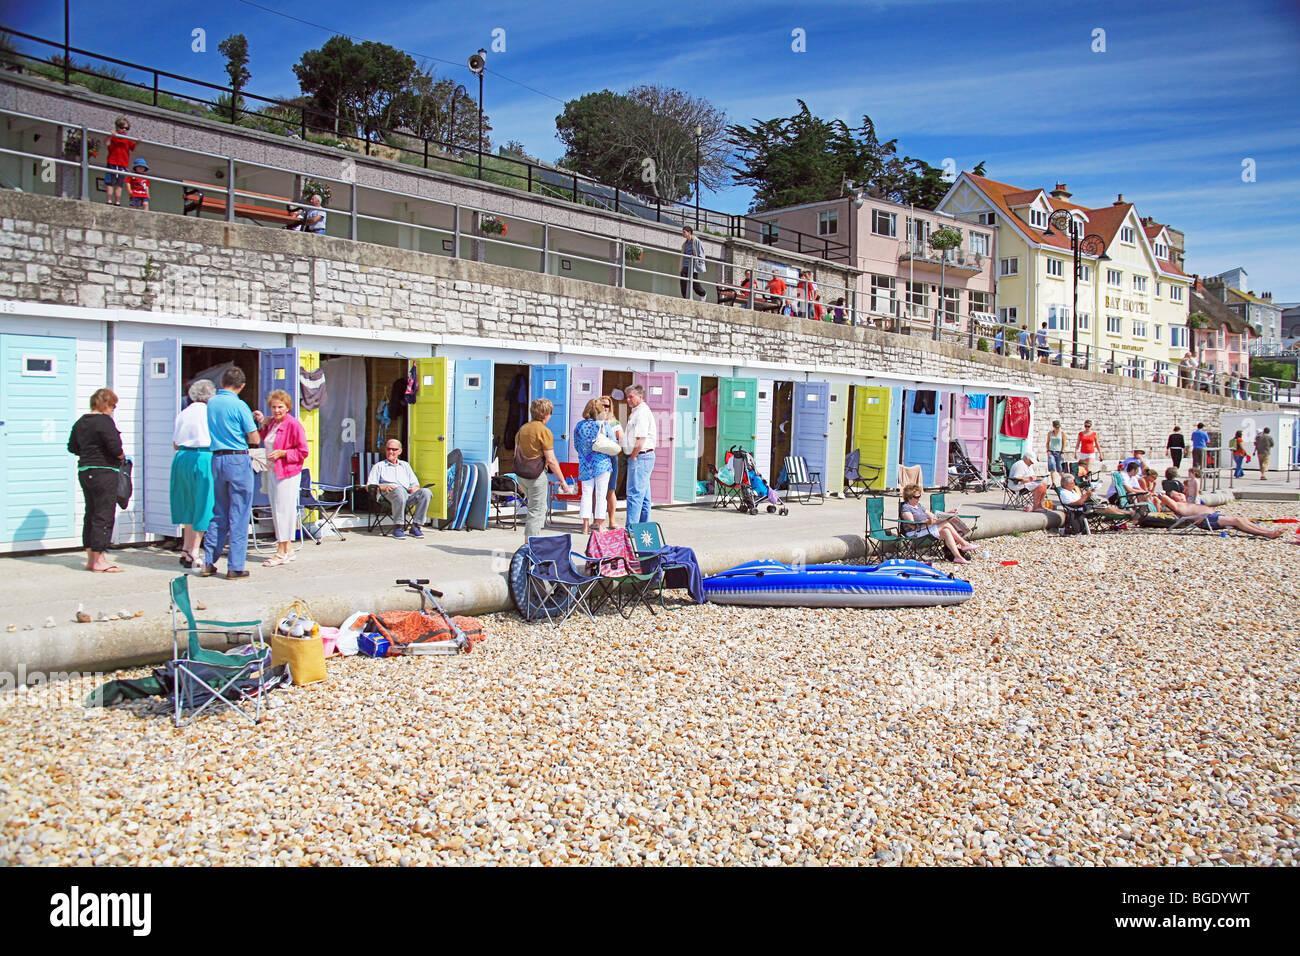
(297, 120)
(957, 258)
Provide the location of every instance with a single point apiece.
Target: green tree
(804, 158)
(440, 110)
(235, 49)
(644, 141)
(358, 85)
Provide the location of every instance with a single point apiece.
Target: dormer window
(1128, 235)
(1162, 251)
(1038, 218)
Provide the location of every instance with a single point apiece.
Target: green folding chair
(878, 536)
(938, 503)
(205, 676)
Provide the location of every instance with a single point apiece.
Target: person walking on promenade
(232, 432)
(1200, 442)
(1238, 449)
(693, 265)
(286, 442)
(1042, 344)
(190, 489)
(1056, 452)
(1264, 451)
(1022, 341)
(1175, 445)
(1088, 446)
(642, 436)
(97, 444)
(534, 456)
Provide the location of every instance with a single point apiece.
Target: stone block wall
(67, 252)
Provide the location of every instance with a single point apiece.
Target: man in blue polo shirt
(1200, 442)
(232, 431)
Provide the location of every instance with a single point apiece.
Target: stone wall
(81, 254)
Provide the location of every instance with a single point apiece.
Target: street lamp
(477, 63)
(456, 94)
(699, 132)
(1091, 245)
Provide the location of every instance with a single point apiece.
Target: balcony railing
(958, 259)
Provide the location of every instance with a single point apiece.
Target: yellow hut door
(428, 430)
(871, 429)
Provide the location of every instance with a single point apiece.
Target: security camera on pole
(477, 64)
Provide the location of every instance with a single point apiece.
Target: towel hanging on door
(1015, 421)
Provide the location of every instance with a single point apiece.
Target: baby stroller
(753, 489)
(962, 473)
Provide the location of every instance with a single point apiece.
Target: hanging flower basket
(311, 187)
(633, 253)
(72, 146)
(492, 226)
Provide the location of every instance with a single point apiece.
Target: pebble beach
(1117, 699)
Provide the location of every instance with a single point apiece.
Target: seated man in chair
(1022, 479)
(399, 486)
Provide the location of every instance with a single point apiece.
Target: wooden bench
(739, 296)
(197, 199)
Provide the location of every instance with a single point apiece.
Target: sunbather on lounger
(1216, 520)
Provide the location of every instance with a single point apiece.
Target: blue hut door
(552, 381)
(921, 431)
(471, 429)
(278, 368)
(812, 424)
(38, 478)
(161, 395)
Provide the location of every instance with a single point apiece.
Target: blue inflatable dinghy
(890, 584)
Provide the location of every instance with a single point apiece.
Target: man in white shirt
(1132, 479)
(399, 486)
(641, 436)
(1022, 479)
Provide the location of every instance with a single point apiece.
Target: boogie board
(479, 499)
(455, 481)
(466, 497)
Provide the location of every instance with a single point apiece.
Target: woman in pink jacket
(285, 441)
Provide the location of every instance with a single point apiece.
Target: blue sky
(1182, 94)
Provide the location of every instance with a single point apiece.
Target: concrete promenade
(357, 573)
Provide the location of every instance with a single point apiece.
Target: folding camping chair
(627, 583)
(328, 500)
(1012, 496)
(553, 585)
(204, 676)
(1122, 499)
(260, 520)
(917, 544)
(798, 476)
(724, 494)
(570, 471)
(855, 482)
(648, 539)
(506, 493)
(878, 536)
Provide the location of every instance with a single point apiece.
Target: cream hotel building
(1133, 296)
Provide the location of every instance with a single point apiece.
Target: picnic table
(739, 296)
(203, 196)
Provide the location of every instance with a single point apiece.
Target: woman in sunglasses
(615, 428)
(920, 521)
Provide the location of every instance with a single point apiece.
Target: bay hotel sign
(1127, 305)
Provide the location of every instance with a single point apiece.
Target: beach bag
(124, 488)
(727, 474)
(529, 468)
(604, 444)
(304, 655)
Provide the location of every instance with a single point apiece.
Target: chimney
(1148, 221)
(1267, 296)
(1060, 192)
(1119, 200)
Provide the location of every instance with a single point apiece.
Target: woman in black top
(1175, 446)
(97, 444)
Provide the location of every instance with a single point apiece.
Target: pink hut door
(971, 428)
(584, 385)
(660, 395)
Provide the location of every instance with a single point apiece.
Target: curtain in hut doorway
(342, 419)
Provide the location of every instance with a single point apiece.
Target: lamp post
(456, 94)
(699, 132)
(477, 63)
(1092, 245)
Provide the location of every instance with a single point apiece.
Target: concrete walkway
(340, 577)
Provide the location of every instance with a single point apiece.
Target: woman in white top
(191, 478)
(616, 430)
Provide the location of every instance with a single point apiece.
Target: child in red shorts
(137, 186)
(119, 157)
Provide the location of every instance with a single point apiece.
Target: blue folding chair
(328, 500)
(552, 585)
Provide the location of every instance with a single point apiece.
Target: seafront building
(1258, 311)
(1132, 299)
(1222, 339)
(905, 282)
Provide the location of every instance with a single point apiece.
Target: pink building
(904, 279)
(1222, 344)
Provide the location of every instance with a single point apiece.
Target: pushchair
(962, 473)
(751, 488)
